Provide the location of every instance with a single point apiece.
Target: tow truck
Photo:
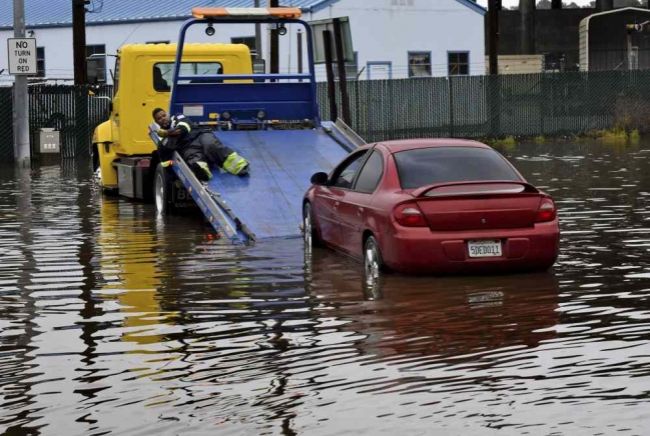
(271, 119)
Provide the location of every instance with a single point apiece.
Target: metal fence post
(451, 106)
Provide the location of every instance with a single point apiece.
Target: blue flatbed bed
(268, 202)
(248, 111)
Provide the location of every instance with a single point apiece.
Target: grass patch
(508, 143)
(618, 136)
(541, 139)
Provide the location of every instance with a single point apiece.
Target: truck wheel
(95, 164)
(162, 190)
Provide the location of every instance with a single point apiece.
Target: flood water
(114, 321)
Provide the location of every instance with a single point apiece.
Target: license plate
(484, 248)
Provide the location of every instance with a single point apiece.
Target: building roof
(55, 13)
(58, 13)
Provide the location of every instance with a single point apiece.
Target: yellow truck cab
(122, 150)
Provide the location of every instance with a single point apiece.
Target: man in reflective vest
(198, 147)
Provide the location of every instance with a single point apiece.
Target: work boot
(235, 164)
(203, 171)
(244, 171)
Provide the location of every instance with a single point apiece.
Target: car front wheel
(372, 261)
(309, 233)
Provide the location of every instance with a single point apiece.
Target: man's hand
(162, 133)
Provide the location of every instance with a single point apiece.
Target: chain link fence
(462, 106)
(74, 111)
(494, 106)
(6, 124)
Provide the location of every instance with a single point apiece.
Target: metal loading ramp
(268, 202)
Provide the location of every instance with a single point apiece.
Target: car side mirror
(319, 178)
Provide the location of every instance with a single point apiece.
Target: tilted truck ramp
(268, 202)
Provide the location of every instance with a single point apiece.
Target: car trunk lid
(478, 205)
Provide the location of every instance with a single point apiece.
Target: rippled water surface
(113, 321)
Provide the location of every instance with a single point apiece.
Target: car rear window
(426, 166)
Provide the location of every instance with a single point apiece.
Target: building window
(379, 70)
(40, 61)
(96, 63)
(419, 63)
(458, 62)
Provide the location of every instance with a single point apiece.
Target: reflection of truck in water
(122, 151)
(270, 119)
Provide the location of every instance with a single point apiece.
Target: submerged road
(115, 321)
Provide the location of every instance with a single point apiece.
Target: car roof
(398, 145)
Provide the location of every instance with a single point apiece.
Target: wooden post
(527, 14)
(493, 38)
(274, 44)
(331, 91)
(343, 80)
(79, 41)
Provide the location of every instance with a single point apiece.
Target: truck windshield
(163, 72)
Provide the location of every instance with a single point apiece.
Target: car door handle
(336, 204)
(360, 211)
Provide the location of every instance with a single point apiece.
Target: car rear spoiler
(492, 187)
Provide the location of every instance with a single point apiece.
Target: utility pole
(494, 95)
(22, 153)
(527, 13)
(494, 6)
(274, 42)
(79, 41)
(604, 5)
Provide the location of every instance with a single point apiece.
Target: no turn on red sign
(22, 55)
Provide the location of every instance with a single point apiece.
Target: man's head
(161, 118)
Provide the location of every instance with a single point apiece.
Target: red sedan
(432, 206)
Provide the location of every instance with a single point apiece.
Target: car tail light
(546, 211)
(409, 215)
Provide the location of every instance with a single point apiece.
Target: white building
(390, 38)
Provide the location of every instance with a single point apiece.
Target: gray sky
(510, 3)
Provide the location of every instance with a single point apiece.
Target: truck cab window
(163, 73)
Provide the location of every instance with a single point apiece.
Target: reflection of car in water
(432, 205)
(446, 316)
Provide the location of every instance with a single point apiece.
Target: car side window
(370, 173)
(345, 174)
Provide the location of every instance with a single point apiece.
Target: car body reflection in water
(437, 316)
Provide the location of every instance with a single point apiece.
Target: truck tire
(162, 190)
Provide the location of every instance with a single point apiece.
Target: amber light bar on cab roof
(246, 12)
